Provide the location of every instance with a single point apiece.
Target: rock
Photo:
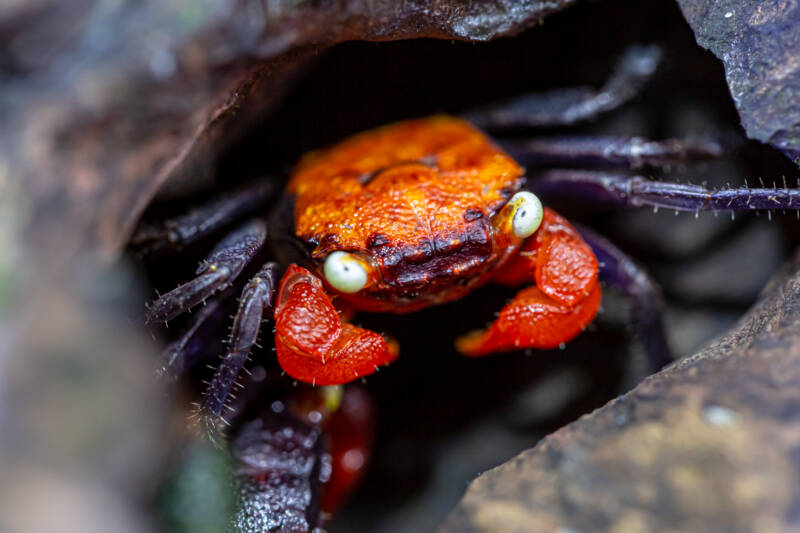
(759, 44)
(709, 443)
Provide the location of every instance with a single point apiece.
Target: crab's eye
(527, 214)
(344, 272)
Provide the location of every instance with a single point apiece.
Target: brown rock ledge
(711, 443)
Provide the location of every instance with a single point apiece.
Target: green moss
(198, 497)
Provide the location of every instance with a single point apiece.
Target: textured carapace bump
(416, 197)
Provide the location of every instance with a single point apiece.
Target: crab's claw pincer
(531, 320)
(313, 344)
(563, 302)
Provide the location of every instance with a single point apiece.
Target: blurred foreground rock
(84, 430)
(711, 443)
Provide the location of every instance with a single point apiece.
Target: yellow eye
(528, 212)
(344, 272)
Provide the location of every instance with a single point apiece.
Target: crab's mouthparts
(438, 273)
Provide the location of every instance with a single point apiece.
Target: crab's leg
(192, 344)
(220, 268)
(312, 342)
(637, 191)
(625, 152)
(279, 462)
(296, 464)
(620, 271)
(563, 302)
(187, 228)
(257, 296)
(568, 106)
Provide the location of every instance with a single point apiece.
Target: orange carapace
(414, 214)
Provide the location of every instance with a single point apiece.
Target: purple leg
(599, 152)
(193, 342)
(620, 271)
(564, 107)
(221, 267)
(176, 233)
(257, 296)
(637, 191)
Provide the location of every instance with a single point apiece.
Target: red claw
(312, 343)
(563, 302)
(556, 258)
(531, 320)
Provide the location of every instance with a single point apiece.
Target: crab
(397, 219)
(423, 212)
(416, 214)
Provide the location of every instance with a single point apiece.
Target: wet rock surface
(709, 443)
(758, 42)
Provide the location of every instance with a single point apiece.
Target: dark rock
(759, 43)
